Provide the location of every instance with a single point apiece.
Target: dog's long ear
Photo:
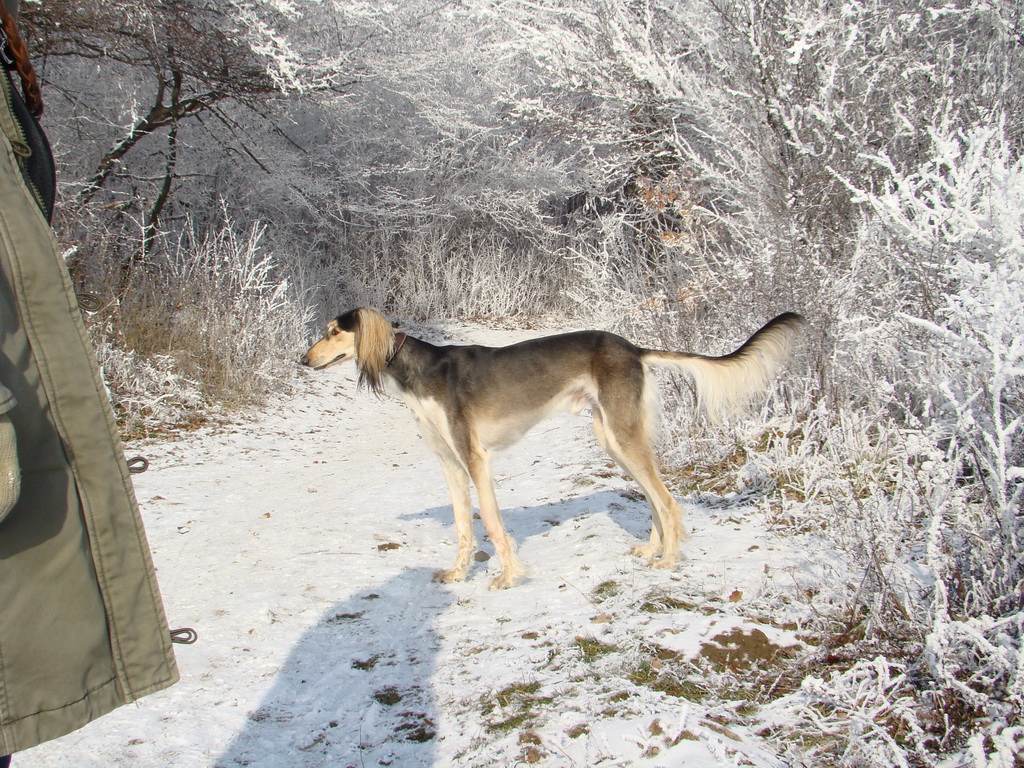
(375, 343)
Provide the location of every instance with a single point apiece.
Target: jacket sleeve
(10, 471)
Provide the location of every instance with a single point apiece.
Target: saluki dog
(471, 400)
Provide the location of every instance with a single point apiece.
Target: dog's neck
(415, 370)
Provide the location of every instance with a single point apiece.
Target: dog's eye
(333, 332)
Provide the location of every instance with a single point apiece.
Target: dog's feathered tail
(725, 384)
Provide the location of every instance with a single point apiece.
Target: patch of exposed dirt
(738, 649)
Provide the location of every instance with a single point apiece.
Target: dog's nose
(304, 360)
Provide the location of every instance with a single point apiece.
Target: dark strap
(14, 54)
(399, 341)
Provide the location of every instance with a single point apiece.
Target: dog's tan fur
(472, 400)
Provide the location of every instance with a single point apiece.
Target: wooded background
(234, 172)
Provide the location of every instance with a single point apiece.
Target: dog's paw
(504, 581)
(646, 551)
(449, 577)
(664, 563)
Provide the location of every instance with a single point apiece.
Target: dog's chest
(431, 418)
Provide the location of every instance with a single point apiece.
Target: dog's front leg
(512, 570)
(458, 485)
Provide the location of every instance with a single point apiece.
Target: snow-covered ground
(300, 545)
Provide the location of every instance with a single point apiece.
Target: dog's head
(337, 345)
(363, 334)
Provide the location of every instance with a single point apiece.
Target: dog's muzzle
(304, 360)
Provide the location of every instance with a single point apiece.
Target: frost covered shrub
(236, 321)
(937, 532)
(145, 392)
(471, 266)
(960, 220)
(218, 321)
(962, 217)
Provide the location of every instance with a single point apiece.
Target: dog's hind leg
(624, 438)
(458, 485)
(512, 570)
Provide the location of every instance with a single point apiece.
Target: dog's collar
(399, 341)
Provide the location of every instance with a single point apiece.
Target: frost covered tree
(152, 91)
(729, 130)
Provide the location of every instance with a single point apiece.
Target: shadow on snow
(356, 689)
(628, 511)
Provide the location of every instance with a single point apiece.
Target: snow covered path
(300, 545)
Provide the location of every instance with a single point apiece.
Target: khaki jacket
(82, 626)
